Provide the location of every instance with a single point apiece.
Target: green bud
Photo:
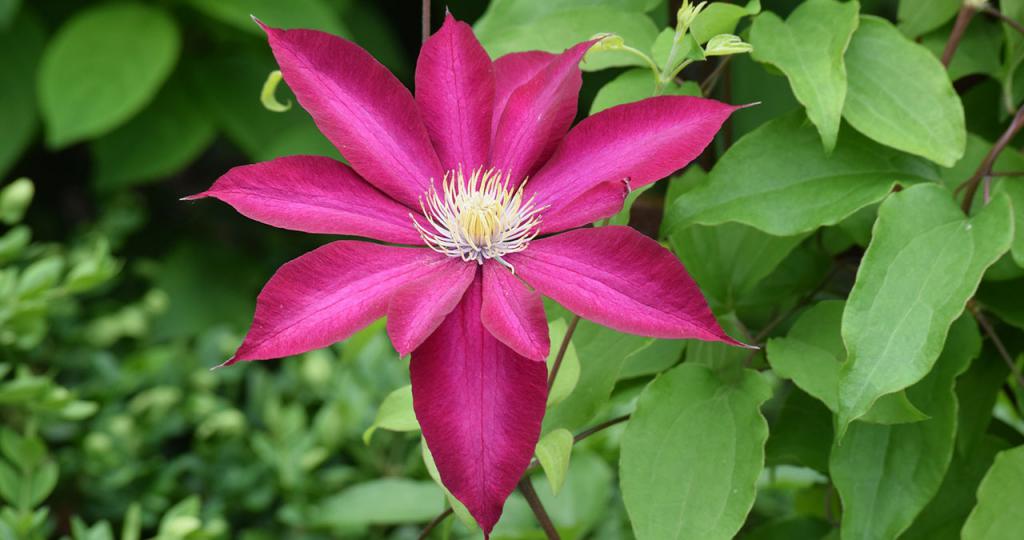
(609, 42)
(14, 200)
(726, 44)
(686, 15)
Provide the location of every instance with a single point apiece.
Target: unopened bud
(686, 15)
(726, 44)
(609, 42)
(14, 200)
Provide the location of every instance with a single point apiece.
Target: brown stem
(708, 84)
(970, 186)
(526, 488)
(1006, 173)
(989, 10)
(963, 18)
(599, 427)
(426, 20)
(434, 523)
(561, 350)
(1000, 347)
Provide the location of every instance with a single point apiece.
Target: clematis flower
(478, 195)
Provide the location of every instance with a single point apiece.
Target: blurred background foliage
(116, 299)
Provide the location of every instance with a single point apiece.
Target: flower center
(478, 218)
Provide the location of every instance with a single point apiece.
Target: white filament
(478, 218)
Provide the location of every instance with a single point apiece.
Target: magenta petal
(455, 93)
(622, 279)
(538, 114)
(593, 205)
(313, 194)
(362, 108)
(512, 71)
(418, 308)
(327, 294)
(480, 406)
(637, 142)
(513, 313)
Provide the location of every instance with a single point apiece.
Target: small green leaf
(809, 49)
(102, 67)
(15, 199)
(886, 475)
(41, 275)
(721, 18)
(395, 414)
(460, 509)
(779, 180)
(41, 483)
(999, 514)
(553, 452)
(901, 96)
(388, 501)
(692, 453)
(924, 262)
(314, 14)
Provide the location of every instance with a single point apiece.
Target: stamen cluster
(478, 218)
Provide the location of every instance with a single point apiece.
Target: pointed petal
(480, 406)
(512, 71)
(362, 108)
(418, 308)
(313, 194)
(538, 114)
(327, 294)
(455, 94)
(513, 313)
(622, 279)
(637, 142)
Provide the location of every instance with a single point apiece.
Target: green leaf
(924, 261)
(163, 139)
(721, 18)
(553, 452)
(729, 260)
(692, 453)
(102, 67)
(15, 199)
(999, 513)
(395, 414)
(388, 501)
(655, 358)
(809, 49)
(313, 14)
(223, 81)
(976, 392)
(1013, 188)
(885, 475)
(555, 31)
(41, 483)
(460, 509)
(801, 434)
(778, 179)
(812, 354)
(945, 515)
(569, 371)
(634, 85)
(22, 44)
(900, 95)
(603, 352)
(917, 17)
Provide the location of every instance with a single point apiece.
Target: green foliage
(884, 401)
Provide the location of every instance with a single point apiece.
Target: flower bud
(686, 15)
(14, 200)
(608, 42)
(726, 44)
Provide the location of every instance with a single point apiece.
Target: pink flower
(445, 174)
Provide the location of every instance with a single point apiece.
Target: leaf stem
(963, 19)
(1000, 347)
(434, 523)
(526, 488)
(708, 84)
(599, 427)
(989, 10)
(970, 186)
(561, 350)
(426, 20)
